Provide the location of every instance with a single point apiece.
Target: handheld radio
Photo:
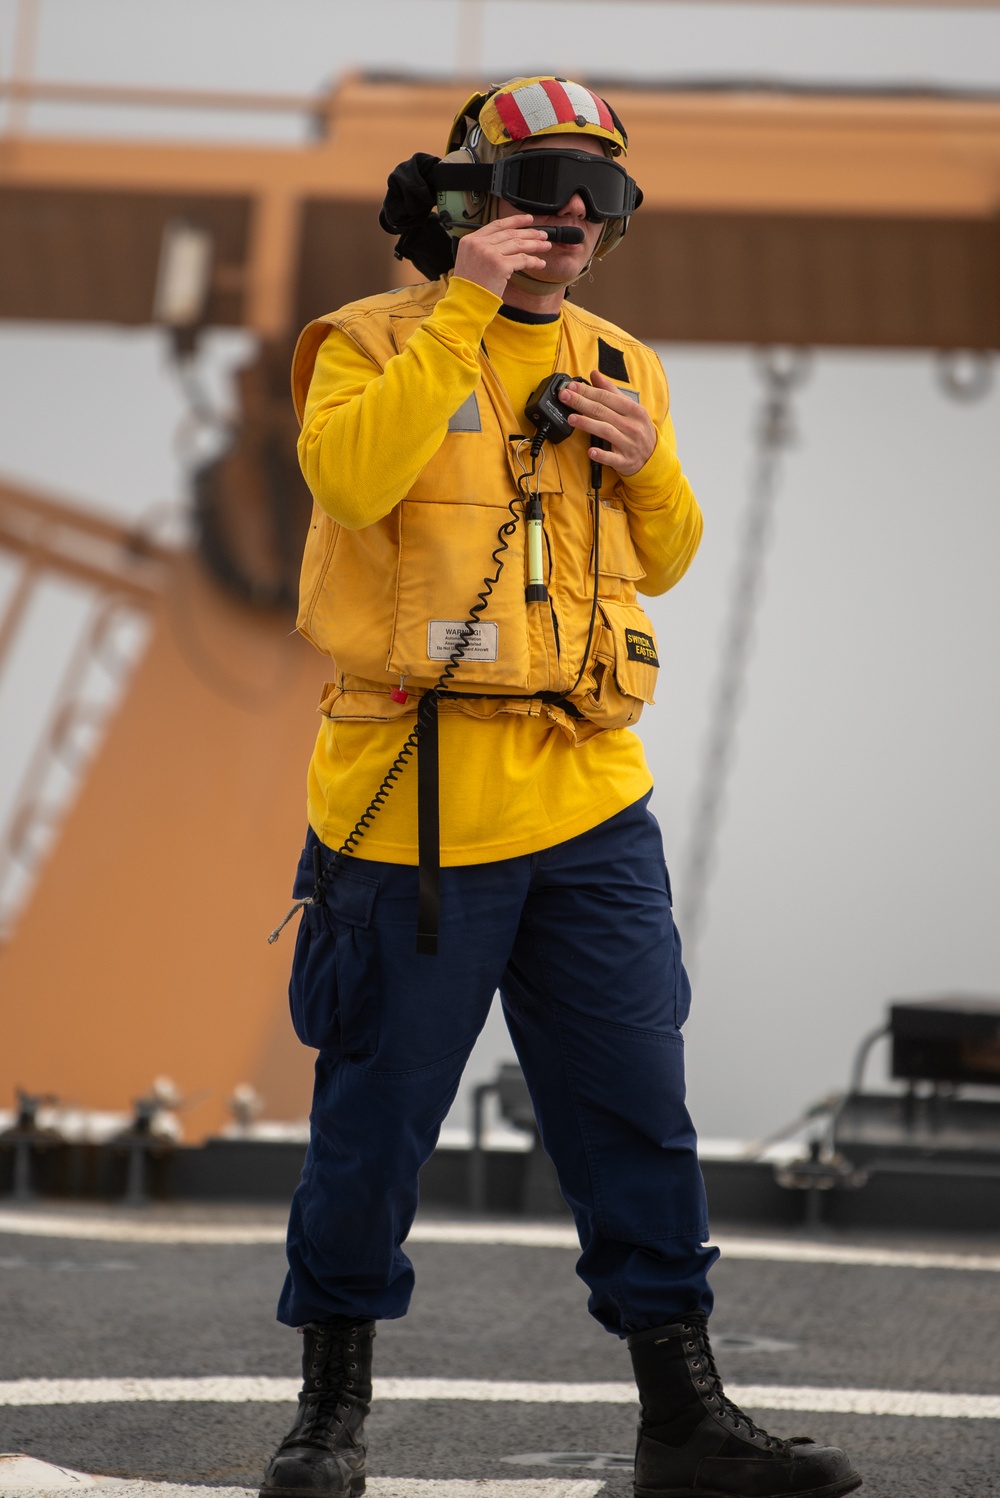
(547, 413)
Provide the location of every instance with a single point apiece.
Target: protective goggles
(544, 181)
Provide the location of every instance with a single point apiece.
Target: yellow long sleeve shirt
(510, 784)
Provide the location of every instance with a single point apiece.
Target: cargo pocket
(333, 992)
(624, 666)
(682, 984)
(444, 553)
(636, 661)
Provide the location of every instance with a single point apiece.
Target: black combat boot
(695, 1443)
(323, 1455)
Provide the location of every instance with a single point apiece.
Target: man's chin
(558, 275)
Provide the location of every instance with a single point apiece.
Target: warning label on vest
(445, 635)
(640, 647)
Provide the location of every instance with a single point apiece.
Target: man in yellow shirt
(495, 476)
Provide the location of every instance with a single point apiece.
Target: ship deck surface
(792, 1324)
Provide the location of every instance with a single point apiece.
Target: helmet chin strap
(535, 287)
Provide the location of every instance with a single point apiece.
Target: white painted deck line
(782, 1250)
(792, 1252)
(242, 1390)
(518, 1235)
(130, 1230)
(20, 1473)
(30, 1478)
(512, 1234)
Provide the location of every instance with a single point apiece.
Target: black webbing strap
(429, 810)
(611, 361)
(459, 176)
(557, 698)
(428, 828)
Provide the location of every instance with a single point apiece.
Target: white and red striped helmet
(527, 107)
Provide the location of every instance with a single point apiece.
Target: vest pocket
(618, 557)
(445, 552)
(316, 558)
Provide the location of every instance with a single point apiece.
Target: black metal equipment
(24, 1138)
(941, 1048)
(928, 1154)
(142, 1141)
(540, 1196)
(954, 1040)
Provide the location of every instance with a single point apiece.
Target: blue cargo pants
(580, 941)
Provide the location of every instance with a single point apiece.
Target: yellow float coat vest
(387, 602)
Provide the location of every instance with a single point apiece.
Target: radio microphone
(564, 234)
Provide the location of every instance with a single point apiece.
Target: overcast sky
(859, 858)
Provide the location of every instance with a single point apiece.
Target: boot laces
(329, 1396)
(713, 1379)
(324, 1415)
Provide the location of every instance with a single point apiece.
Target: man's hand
(605, 411)
(492, 254)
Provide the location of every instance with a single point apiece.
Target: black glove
(408, 210)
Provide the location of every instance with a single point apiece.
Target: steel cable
(783, 372)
